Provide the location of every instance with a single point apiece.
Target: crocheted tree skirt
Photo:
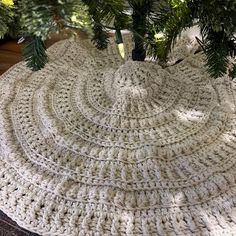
(97, 145)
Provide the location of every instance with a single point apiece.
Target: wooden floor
(10, 54)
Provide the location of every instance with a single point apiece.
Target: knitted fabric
(96, 145)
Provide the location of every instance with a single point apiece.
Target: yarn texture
(96, 145)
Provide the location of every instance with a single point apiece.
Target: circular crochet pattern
(96, 145)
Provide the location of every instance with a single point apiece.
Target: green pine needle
(217, 47)
(100, 37)
(233, 72)
(34, 53)
(6, 17)
(170, 19)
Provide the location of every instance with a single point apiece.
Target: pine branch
(44, 17)
(34, 53)
(215, 46)
(100, 37)
(37, 17)
(6, 17)
(104, 12)
(233, 73)
(217, 21)
(166, 24)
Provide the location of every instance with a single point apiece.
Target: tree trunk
(139, 30)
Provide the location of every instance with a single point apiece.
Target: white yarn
(94, 145)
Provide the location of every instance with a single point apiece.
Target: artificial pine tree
(155, 25)
(6, 16)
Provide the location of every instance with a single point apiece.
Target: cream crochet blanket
(97, 145)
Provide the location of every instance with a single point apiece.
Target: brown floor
(10, 54)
